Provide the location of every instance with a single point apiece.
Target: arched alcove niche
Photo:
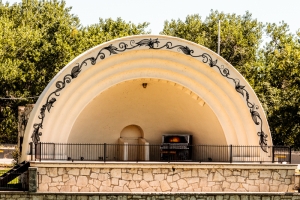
(132, 134)
(132, 131)
(190, 84)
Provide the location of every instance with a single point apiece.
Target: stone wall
(126, 196)
(164, 178)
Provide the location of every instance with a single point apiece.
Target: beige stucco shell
(183, 95)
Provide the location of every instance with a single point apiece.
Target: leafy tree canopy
(37, 39)
(241, 36)
(278, 84)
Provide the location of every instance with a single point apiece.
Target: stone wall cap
(177, 193)
(84, 164)
(152, 193)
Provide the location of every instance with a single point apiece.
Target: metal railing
(14, 178)
(12, 185)
(155, 153)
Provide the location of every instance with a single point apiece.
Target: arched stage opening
(162, 84)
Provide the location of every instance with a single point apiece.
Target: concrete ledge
(155, 165)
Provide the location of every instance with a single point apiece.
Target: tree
(109, 29)
(241, 36)
(37, 39)
(278, 84)
(35, 45)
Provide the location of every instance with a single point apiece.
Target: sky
(158, 11)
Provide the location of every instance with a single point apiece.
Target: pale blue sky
(157, 11)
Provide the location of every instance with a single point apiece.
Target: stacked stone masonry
(177, 196)
(68, 179)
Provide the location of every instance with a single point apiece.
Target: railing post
(138, 152)
(230, 153)
(35, 146)
(104, 158)
(41, 151)
(273, 152)
(169, 153)
(290, 158)
(54, 151)
(31, 151)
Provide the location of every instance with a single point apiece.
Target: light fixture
(144, 85)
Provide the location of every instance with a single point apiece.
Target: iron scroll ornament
(152, 44)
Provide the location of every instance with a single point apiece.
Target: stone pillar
(32, 176)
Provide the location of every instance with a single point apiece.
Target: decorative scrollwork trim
(155, 45)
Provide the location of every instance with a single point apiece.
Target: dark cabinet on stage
(176, 147)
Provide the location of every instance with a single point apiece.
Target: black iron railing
(155, 153)
(11, 179)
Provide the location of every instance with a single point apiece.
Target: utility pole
(219, 39)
